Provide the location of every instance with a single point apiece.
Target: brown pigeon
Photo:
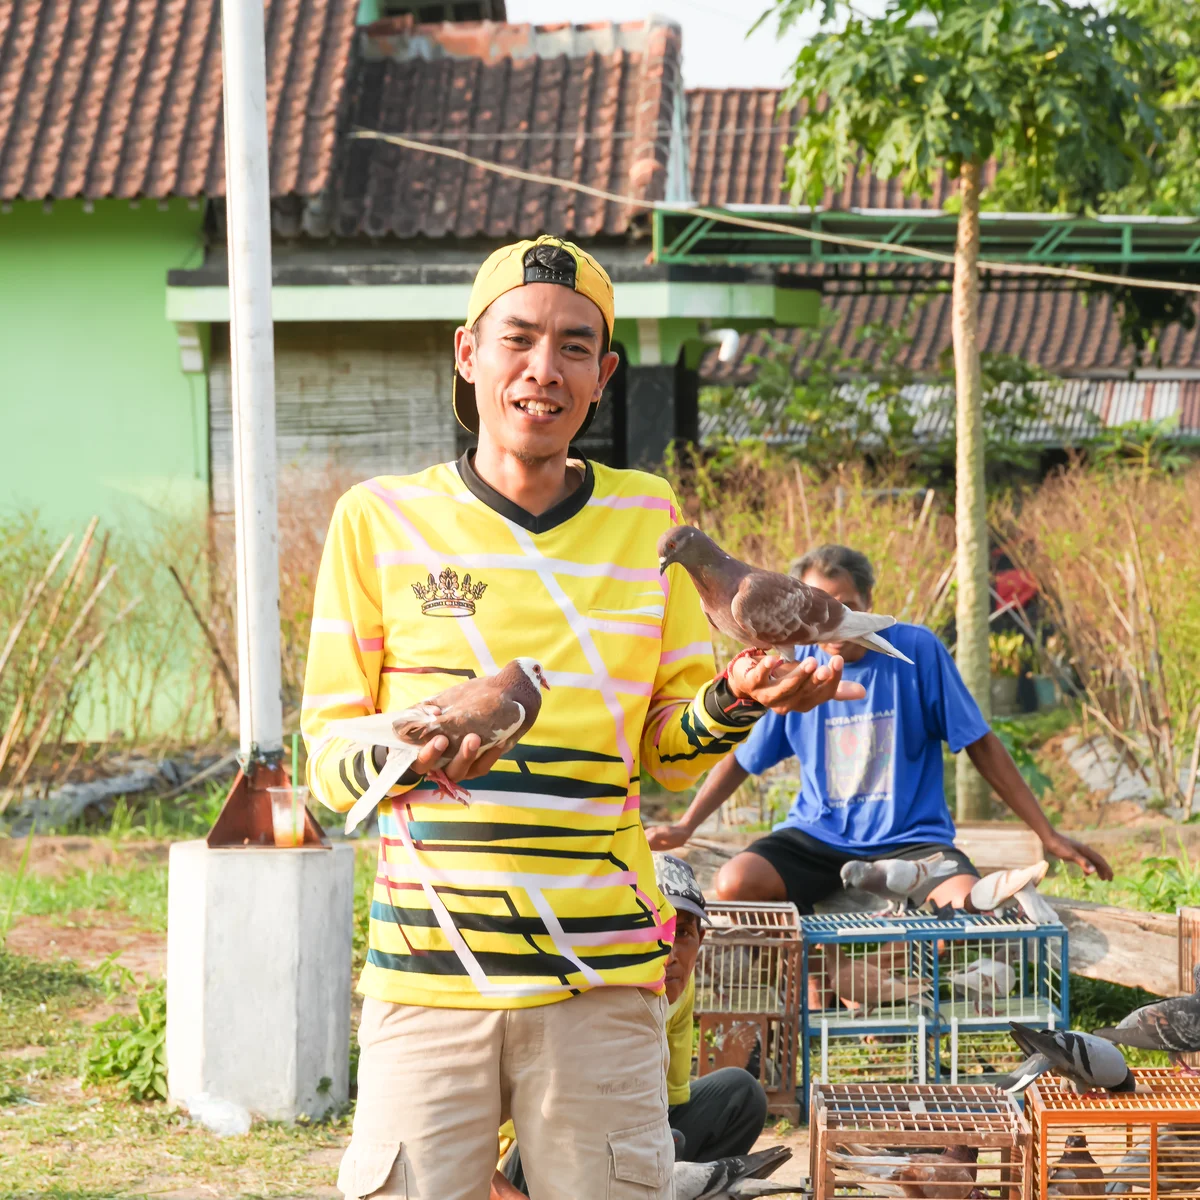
(500, 708)
(949, 1175)
(1076, 1172)
(1172, 1025)
(763, 609)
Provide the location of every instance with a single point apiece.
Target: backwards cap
(546, 260)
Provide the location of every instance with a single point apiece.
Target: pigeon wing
(776, 610)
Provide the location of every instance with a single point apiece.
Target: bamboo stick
(31, 603)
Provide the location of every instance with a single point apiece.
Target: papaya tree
(1064, 98)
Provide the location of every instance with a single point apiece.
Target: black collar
(564, 510)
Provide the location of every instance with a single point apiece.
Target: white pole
(248, 224)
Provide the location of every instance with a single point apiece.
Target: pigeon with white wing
(500, 709)
(1015, 888)
(764, 609)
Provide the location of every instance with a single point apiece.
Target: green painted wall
(98, 416)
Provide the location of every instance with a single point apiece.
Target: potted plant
(1010, 657)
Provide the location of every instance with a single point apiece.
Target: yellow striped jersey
(543, 886)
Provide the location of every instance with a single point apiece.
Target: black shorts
(811, 870)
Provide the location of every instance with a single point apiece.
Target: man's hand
(1090, 861)
(669, 837)
(466, 764)
(785, 688)
(501, 1189)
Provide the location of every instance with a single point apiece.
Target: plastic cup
(288, 807)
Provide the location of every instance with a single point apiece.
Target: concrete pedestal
(258, 976)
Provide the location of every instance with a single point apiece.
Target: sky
(716, 51)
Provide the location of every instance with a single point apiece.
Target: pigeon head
(855, 873)
(533, 672)
(686, 545)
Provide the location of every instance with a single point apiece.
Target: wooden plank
(1134, 949)
(998, 845)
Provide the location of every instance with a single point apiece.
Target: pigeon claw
(447, 789)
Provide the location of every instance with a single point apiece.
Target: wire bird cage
(1127, 1144)
(941, 1141)
(917, 999)
(748, 996)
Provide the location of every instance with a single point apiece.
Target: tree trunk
(970, 505)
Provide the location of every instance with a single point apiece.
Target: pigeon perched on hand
(949, 1175)
(737, 1178)
(763, 609)
(1090, 1063)
(898, 880)
(1016, 887)
(1172, 1025)
(499, 708)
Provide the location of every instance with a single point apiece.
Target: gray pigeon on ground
(500, 708)
(1172, 1025)
(763, 609)
(736, 1178)
(1089, 1062)
(897, 880)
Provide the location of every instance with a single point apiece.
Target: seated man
(718, 1115)
(871, 781)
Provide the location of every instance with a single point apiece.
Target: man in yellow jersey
(517, 945)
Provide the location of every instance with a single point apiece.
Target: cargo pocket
(366, 1167)
(641, 1162)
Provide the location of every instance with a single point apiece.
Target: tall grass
(1117, 557)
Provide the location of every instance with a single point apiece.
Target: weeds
(130, 1048)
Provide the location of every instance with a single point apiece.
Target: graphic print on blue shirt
(871, 769)
(859, 757)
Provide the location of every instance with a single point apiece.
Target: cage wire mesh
(1105, 1144)
(878, 985)
(748, 996)
(932, 1140)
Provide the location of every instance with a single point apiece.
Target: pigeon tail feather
(399, 759)
(872, 641)
(1025, 1074)
(1035, 907)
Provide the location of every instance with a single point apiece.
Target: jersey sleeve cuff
(723, 708)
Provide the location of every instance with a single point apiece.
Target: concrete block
(259, 945)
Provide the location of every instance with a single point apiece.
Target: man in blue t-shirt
(870, 770)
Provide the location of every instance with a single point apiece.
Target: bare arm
(721, 782)
(995, 764)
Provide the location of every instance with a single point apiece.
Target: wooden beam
(1134, 949)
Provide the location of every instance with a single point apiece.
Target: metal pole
(248, 225)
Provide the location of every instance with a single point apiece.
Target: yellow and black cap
(546, 260)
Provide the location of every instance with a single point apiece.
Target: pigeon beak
(545, 684)
(662, 566)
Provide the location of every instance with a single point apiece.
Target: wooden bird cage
(1140, 1146)
(1189, 956)
(971, 1139)
(748, 996)
(916, 999)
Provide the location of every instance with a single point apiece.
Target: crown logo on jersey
(446, 597)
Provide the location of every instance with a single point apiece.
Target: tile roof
(123, 97)
(737, 150)
(591, 102)
(1065, 332)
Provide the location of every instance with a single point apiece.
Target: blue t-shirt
(871, 769)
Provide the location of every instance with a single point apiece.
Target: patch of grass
(1159, 883)
(130, 1048)
(139, 892)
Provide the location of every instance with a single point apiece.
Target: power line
(754, 223)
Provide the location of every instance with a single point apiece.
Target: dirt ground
(89, 938)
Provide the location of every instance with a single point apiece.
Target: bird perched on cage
(500, 709)
(984, 982)
(764, 609)
(859, 983)
(738, 1178)
(1172, 1025)
(1014, 888)
(949, 1175)
(1090, 1063)
(1075, 1172)
(898, 880)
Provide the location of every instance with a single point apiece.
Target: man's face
(840, 588)
(689, 933)
(535, 361)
